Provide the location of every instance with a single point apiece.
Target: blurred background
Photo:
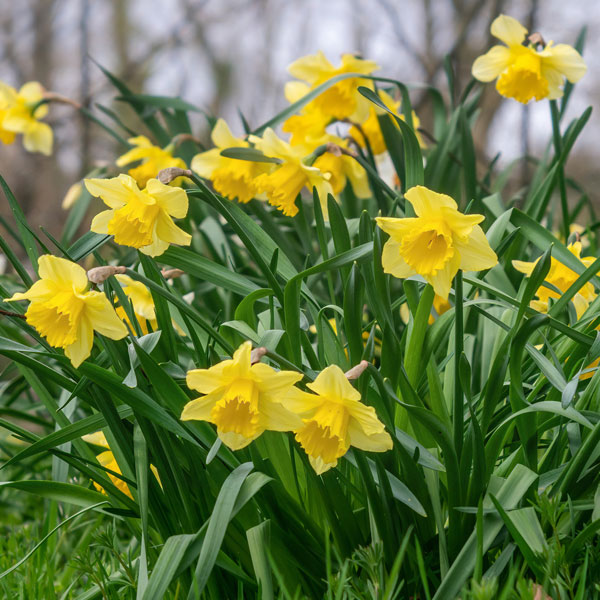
(225, 55)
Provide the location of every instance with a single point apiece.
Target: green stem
(457, 413)
(555, 114)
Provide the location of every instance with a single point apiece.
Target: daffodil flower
(65, 313)
(522, 72)
(17, 116)
(108, 461)
(342, 99)
(371, 129)
(230, 177)
(436, 243)
(333, 419)
(140, 218)
(283, 185)
(241, 399)
(560, 277)
(154, 159)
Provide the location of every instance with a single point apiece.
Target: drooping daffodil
(242, 399)
(63, 311)
(141, 219)
(436, 243)
(333, 419)
(522, 71)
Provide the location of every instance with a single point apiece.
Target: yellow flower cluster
(314, 157)
(20, 113)
(243, 400)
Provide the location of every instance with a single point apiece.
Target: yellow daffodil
(107, 459)
(283, 185)
(241, 399)
(142, 302)
(306, 127)
(341, 168)
(230, 177)
(333, 419)
(342, 99)
(522, 71)
(371, 129)
(154, 159)
(16, 116)
(436, 243)
(140, 218)
(560, 277)
(65, 313)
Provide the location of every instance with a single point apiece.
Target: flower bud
(101, 274)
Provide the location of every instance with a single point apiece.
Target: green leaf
(251, 154)
(56, 490)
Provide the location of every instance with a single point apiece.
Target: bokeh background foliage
(491, 487)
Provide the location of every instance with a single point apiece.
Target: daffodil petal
(331, 382)
(392, 261)
(81, 348)
(102, 316)
(236, 441)
(271, 381)
(491, 64)
(114, 191)
(206, 381)
(427, 202)
(476, 253)
(38, 137)
(319, 465)
(295, 90)
(205, 163)
(508, 30)
(275, 417)
(199, 409)
(173, 200)
(375, 442)
(566, 60)
(64, 272)
(223, 138)
(310, 68)
(100, 222)
(442, 280)
(156, 248)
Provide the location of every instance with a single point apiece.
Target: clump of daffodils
(245, 398)
(522, 71)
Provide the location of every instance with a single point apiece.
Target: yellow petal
(365, 417)
(332, 383)
(294, 90)
(102, 316)
(100, 222)
(358, 177)
(206, 381)
(62, 272)
(199, 409)
(81, 348)
(31, 92)
(301, 403)
(205, 163)
(508, 30)
(427, 202)
(73, 194)
(376, 442)
(172, 199)
(491, 64)
(156, 248)
(310, 68)
(131, 156)
(223, 138)
(167, 231)
(275, 417)
(565, 60)
(8, 95)
(392, 261)
(397, 228)
(38, 137)
(442, 280)
(98, 438)
(274, 382)
(115, 192)
(236, 441)
(524, 267)
(319, 465)
(476, 253)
